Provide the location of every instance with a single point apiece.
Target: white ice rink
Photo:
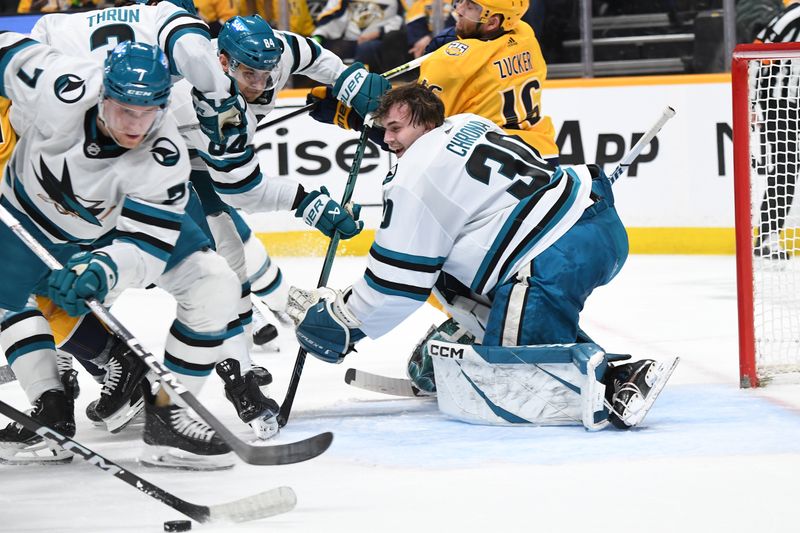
(709, 457)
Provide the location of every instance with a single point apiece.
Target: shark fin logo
(69, 88)
(165, 152)
(60, 193)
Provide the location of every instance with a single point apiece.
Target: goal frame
(740, 86)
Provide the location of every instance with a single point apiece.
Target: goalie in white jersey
(524, 240)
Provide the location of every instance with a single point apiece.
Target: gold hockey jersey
(7, 136)
(499, 79)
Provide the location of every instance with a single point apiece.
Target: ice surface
(709, 456)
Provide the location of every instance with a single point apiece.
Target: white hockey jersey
(184, 39)
(468, 200)
(234, 167)
(77, 185)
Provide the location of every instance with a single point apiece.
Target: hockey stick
(634, 152)
(269, 503)
(280, 454)
(286, 406)
(389, 74)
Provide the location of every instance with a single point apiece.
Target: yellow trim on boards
(706, 241)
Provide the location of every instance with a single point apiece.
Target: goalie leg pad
(537, 385)
(420, 364)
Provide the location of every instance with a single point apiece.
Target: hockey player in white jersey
(176, 29)
(524, 240)
(190, 54)
(262, 61)
(99, 177)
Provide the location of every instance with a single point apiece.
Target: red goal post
(766, 122)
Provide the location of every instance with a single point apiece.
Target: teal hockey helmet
(250, 41)
(137, 74)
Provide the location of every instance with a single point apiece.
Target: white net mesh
(774, 92)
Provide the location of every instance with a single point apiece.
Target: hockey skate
(121, 397)
(54, 408)
(265, 335)
(633, 387)
(175, 439)
(253, 408)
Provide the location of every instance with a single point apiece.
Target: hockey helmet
(512, 11)
(137, 74)
(250, 41)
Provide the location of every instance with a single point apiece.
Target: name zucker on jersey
(513, 65)
(465, 137)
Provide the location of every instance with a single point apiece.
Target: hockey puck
(177, 525)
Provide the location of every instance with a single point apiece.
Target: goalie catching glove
(221, 117)
(320, 211)
(360, 89)
(85, 275)
(325, 327)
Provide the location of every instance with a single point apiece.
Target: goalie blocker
(545, 385)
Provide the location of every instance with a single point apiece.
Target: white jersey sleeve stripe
(406, 261)
(393, 288)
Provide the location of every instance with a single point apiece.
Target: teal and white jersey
(301, 55)
(465, 199)
(75, 184)
(234, 167)
(183, 37)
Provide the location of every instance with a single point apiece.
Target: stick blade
(263, 505)
(383, 384)
(286, 454)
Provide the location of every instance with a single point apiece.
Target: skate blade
(661, 375)
(177, 459)
(124, 416)
(39, 453)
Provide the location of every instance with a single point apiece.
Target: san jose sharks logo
(70, 88)
(165, 152)
(60, 194)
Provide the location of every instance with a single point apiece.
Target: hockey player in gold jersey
(8, 138)
(494, 69)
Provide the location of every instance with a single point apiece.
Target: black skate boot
(264, 334)
(261, 375)
(121, 397)
(54, 408)
(251, 405)
(175, 439)
(632, 388)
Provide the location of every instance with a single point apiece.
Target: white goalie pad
(541, 385)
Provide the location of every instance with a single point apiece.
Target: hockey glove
(331, 111)
(320, 211)
(325, 327)
(360, 89)
(85, 275)
(220, 118)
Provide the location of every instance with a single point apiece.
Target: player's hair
(425, 107)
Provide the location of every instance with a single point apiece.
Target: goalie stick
(261, 505)
(405, 387)
(384, 384)
(280, 454)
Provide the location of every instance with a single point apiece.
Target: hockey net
(766, 140)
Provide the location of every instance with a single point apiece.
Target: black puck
(177, 525)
